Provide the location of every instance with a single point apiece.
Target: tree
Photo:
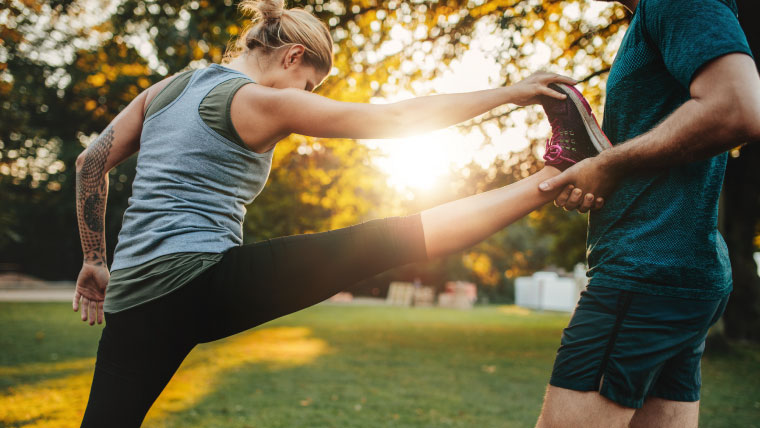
(65, 75)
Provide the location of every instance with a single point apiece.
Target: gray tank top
(192, 184)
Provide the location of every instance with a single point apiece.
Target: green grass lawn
(336, 366)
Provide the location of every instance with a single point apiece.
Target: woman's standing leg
(129, 377)
(140, 349)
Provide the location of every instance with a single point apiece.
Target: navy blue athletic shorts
(629, 346)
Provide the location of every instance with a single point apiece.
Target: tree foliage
(66, 71)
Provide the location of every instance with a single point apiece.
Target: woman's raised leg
(259, 282)
(459, 224)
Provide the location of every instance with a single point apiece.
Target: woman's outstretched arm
(265, 115)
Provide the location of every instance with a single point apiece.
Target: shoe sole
(598, 138)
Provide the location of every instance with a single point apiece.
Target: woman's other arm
(116, 143)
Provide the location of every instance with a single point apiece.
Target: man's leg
(674, 399)
(624, 351)
(661, 413)
(566, 408)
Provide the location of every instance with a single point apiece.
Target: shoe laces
(553, 147)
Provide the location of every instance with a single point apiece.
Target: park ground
(336, 366)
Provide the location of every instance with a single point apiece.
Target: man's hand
(91, 290)
(590, 177)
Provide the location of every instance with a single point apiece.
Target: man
(683, 90)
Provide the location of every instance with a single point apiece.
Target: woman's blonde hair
(272, 26)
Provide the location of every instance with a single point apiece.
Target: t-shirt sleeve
(691, 33)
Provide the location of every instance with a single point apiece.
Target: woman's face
(291, 71)
(304, 77)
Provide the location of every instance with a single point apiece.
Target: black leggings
(141, 348)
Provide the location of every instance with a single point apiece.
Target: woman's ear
(293, 56)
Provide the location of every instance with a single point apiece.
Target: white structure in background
(400, 294)
(549, 291)
(757, 262)
(408, 294)
(458, 295)
(424, 296)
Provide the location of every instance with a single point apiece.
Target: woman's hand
(530, 90)
(594, 175)
(91, 290)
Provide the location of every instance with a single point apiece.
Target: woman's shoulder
(162, 88)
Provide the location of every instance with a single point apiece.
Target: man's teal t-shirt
(658, 233)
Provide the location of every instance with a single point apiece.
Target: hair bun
(267, 10)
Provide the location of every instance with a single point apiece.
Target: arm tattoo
(92, 191)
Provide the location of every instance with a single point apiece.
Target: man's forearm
(91, 197)
(693, 132)
(723, 112)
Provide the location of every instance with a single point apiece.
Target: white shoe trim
(598, 139)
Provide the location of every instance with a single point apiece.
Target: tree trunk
(742, 317)
(741, 201)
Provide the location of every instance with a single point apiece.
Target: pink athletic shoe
(575, 133)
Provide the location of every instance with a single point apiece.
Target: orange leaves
(105, 75)
(108, 78)
(113, 72)
(490, 7)
(5, 88)
(216, 53)
(96, 80)
(481, 265)
(33, 4)
(9, 34)
(198, 53)
(133, 69)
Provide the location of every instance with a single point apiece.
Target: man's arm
(723, 112)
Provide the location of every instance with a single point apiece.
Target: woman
(205, 139)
